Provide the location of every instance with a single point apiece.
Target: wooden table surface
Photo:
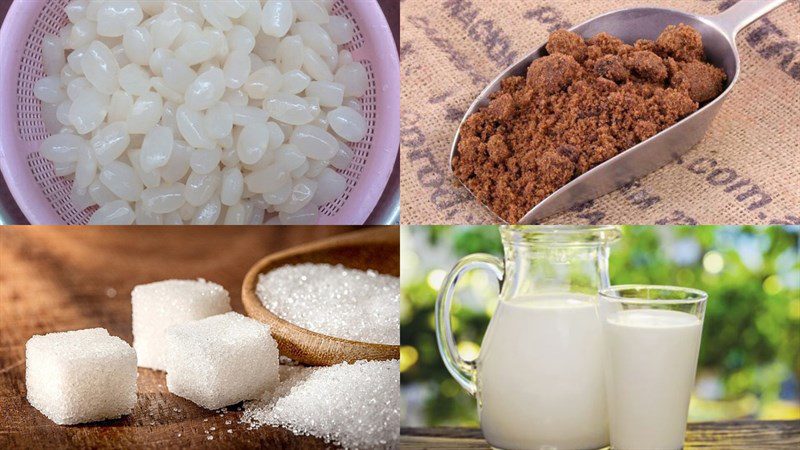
(67, 278)
(749, 434)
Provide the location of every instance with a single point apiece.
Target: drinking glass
(651, 337)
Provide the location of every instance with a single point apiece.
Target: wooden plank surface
(66, 278)
(747, 434)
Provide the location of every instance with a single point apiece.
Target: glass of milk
(538, 379)
(651, 339)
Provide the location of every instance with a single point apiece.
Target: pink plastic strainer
(44, 197)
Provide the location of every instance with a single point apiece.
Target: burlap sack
(746, 170)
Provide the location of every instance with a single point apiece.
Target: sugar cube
(160, 305)
(221, 360)
(80, 376)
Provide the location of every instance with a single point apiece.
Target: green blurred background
(749, 359)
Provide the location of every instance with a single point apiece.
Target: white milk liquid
(540, 375)
(652, 357)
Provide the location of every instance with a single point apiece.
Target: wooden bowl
(374, 248)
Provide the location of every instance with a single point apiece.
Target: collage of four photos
(430, 224)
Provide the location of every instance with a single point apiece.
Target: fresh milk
(652, 357)
(540, 375)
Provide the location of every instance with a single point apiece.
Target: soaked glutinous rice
(335, 300)
(354, 405)
(202, 112)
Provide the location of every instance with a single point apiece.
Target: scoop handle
(743, 13)
(462, 371)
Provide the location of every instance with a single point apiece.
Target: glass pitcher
(538, 378)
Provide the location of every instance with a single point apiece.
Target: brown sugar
(566, 43)
(701, 80)
(681, 42)
(584, 103)
(553, 73)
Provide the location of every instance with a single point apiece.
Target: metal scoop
(719, 38)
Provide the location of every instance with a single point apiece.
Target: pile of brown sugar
(582, 104)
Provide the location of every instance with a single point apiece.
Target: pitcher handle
(463, 371)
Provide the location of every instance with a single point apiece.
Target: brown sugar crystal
(584, 103)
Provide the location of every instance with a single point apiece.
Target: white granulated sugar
(334, 300)
(354, 405)
(202, 112)
(80, 376)
(160, 305)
